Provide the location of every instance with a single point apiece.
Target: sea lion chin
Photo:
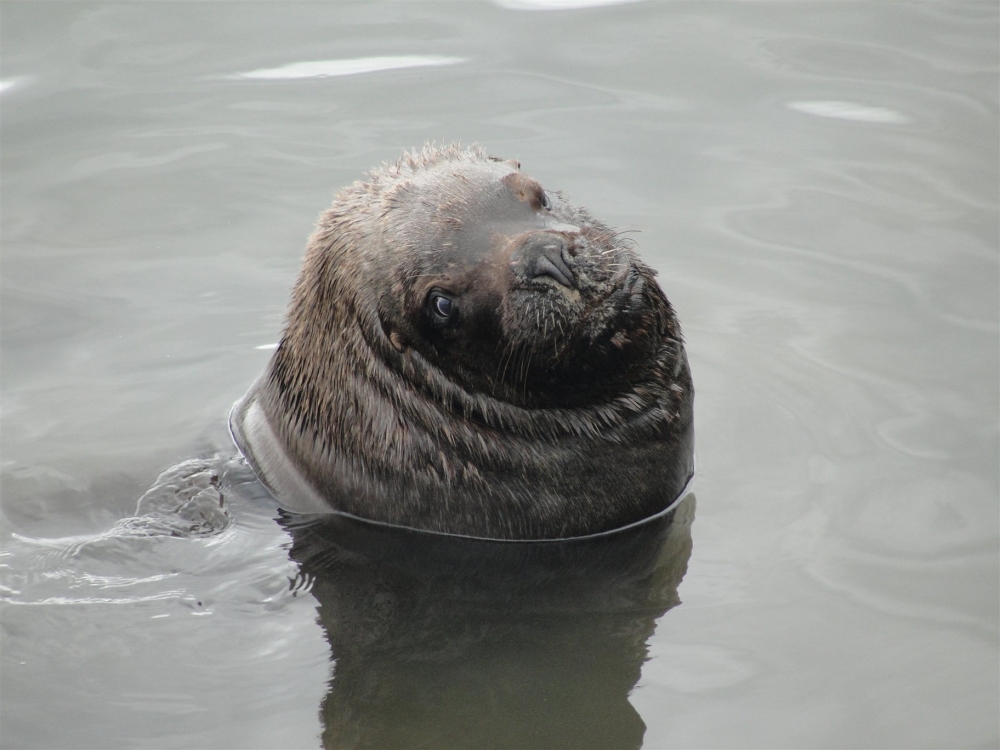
(469, 354)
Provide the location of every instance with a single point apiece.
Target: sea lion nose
(544, 254)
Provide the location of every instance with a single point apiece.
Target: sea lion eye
(443, 307)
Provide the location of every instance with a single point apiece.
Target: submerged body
(467, 354)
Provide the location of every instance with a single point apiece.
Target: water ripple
(345, 67)
(850, 111)
(9, 85)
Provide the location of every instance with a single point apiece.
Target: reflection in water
(10, 84)
(347, 67)
(850, 111)
(454, 642)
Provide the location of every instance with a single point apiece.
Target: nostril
(546, 254)
(546, 266)
(550, 262)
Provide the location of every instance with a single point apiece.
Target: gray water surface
(817, 184)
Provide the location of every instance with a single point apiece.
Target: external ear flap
(396, 341)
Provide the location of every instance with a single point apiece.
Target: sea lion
(469, 354)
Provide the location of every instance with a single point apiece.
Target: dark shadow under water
(449, 642)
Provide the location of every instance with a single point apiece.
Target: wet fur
(483, 442)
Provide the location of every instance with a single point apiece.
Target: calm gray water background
(817, 184)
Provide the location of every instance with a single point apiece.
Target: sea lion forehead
(466, 210)
(479, 191)
(506, 206)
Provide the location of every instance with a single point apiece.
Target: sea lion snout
(544, 255)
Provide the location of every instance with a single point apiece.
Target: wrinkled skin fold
(467, 353)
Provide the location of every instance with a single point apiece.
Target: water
(817, 184)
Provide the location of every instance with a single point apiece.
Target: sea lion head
(499, 286)
(459, 330)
